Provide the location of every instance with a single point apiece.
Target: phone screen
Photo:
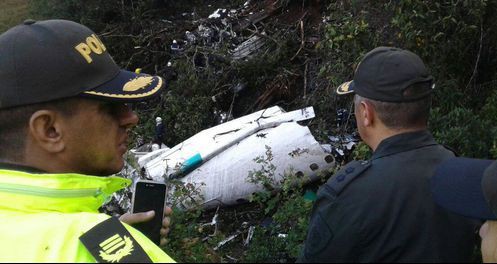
(148, 196)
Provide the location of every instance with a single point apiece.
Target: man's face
(96, 137)
(488, 233)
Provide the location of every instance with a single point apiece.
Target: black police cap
(41, 61)
(385, 73)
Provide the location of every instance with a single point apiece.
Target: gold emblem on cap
(129, 95)
(137, 84)
(116, 248)
(344, 88)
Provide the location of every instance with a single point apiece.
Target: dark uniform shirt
(382, 210)
(159, 134)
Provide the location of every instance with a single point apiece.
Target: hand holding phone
(149, 195)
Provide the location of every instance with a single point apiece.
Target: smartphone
(150, 195)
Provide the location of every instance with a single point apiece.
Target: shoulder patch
(110, 242)
(346, 175)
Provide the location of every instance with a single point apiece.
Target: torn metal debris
(230, 238)
(249, 236)
(249, 47)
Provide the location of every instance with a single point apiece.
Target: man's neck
(385, 133)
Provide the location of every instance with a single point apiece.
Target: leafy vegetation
(12, 12)
(281, 240)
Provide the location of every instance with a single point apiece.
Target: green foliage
(362, 152)
(185, 118)
(186, 195)
(451, 37)
(12, 12)
(265, 177)
(282, 240)
(471, 133)
(184, 241)
(489, 110)
(346, 39)
(92, 13)
(489, 114)
(463, 130)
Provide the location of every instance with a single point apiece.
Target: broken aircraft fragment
(220, 158)
(249, 47)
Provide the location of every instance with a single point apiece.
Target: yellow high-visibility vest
(42, 216)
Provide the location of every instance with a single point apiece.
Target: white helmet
(158, 119)
(174, 41)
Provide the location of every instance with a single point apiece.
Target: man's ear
(45, 129)
(368, 113)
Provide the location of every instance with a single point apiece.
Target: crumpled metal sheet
(224, 176)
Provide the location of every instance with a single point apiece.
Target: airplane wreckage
(219, 159)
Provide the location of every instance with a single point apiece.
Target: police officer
(64, 120)
(381, 210)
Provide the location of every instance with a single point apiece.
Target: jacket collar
(403, 142)
(17, 167)
(65, 192)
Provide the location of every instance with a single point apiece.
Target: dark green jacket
(382, 210)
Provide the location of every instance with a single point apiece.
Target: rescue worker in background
(159, 132)
(469, 187)
(175, 48)
(170, 73)
(381, 210)
(64, 123)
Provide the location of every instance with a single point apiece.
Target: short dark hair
(14, 126)
(405, 114)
